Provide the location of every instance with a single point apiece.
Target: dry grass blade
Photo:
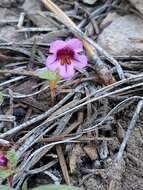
(18, 72)
(63, 164)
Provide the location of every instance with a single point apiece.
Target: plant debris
(87, 132)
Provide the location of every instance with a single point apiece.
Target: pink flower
(66, 57)
(3, 160)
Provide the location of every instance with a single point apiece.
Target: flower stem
(9, 180)
(53, 84)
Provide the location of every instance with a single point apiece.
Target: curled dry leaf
(105, 75)
(91, 151)
(75, 157)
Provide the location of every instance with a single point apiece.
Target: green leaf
(45, 74)
(11, 156)
(4, 173)
(56, 187)
(4, 187)
(1, 98)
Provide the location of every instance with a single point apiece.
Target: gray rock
(31, 5)
(8, 33)
(10, 3)
(122, 35)
(138, 4)
(103, 150)
(38, 19)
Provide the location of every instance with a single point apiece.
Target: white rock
(120, 37)
(138, 4)
(89, 2)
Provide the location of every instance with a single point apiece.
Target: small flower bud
(3, 160)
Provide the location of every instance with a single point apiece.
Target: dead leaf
(91, 151)
(76, 154)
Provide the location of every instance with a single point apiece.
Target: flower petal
(50, 59)
(79, 62)
(56, 45)
(66, 71)
(75, 44)
(51, 63)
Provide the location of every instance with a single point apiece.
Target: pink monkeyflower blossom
(66, 57)
(3, 160)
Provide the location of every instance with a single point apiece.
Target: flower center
(65, 55)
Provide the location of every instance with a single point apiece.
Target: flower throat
(65, 55)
